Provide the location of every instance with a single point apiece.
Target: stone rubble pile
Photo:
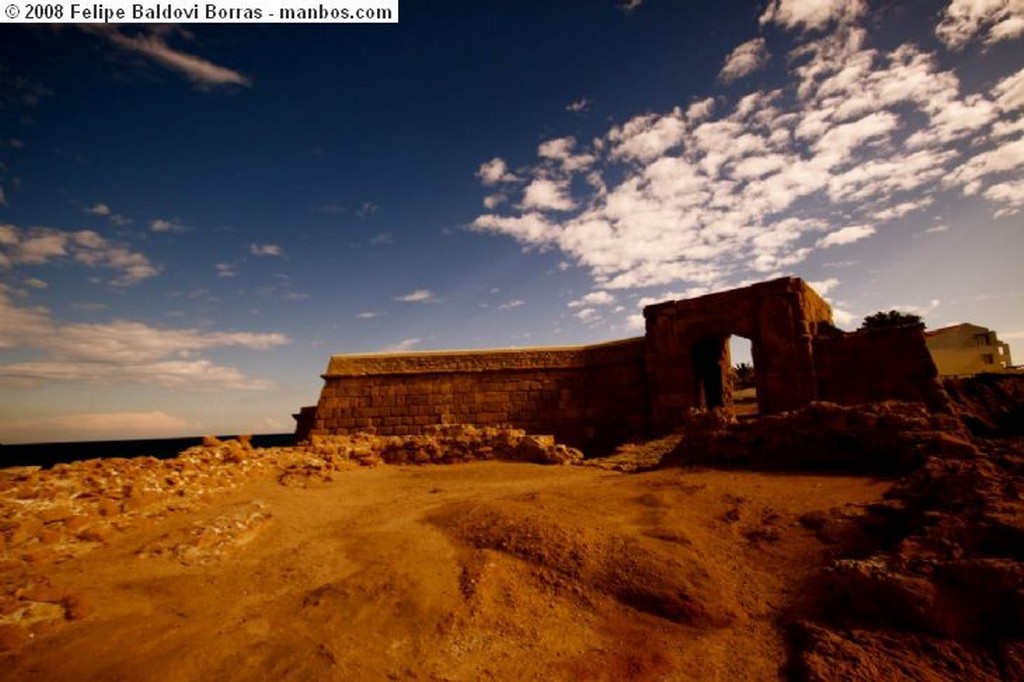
(50, 515)
(47, 514)
(881, 438)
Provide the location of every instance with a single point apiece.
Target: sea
(48, 454)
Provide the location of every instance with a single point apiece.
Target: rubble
(890, 437)
(50, 515)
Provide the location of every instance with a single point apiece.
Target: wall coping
(487, 360)
(752, 292)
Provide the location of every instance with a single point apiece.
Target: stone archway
(688, 357)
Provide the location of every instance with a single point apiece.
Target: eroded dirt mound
(673, 585)
(928, 585)
(940, 593)
(989, 404)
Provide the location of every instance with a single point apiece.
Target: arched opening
(743, 376)
(710, 370)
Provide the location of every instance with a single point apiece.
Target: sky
(193, 218)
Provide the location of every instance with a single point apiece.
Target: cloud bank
(120, 351)
(716, 194)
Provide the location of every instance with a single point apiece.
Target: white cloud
(382, 239)
(494, 172)
(594, 298)
(42, 245)
(844, 318)
(162, 225)
(265, 250)
(545, 194)
(846, 235)
(122, 351)
(812, 14)
(492, 201)
(745, 59)
(1010, 194)
(36, 283)
(225, 270)
(1007, 156)
(509, 305)
(367, 209)
(531, 228)
(964, 19)
(560, 149)
(579, 106)
(402, 346)
(1009, 92)
(698, 111)
(418, 296)
(38, 247)
(629, 6)
(726, 193)
(152, 44)
(367, 315)
(98, 209)
(645, 138)
(902, 209)
(824, 286)
(96, 426)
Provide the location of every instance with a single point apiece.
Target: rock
(857, 655)
(76, 606)
(57, 513)
(41, 592)
(102, 532)
(108, 507)
(1011, 656)
(870, 590)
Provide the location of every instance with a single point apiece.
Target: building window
(981, 340)
(988, 359)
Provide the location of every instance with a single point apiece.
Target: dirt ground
(487, 570)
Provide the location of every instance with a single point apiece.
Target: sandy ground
(486, 570)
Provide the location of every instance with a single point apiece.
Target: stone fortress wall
(596, 397)
(583, 394)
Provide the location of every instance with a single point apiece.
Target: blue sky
(193, 218)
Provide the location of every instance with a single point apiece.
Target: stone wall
(593, 396)
(876, 364)
(596, 397)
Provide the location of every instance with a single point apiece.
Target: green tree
(893, 318)
(743, 375)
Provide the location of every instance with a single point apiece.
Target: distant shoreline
(48, 454)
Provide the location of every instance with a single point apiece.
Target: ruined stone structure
(595, 397)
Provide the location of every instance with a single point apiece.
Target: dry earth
(486, 570)
(363, 558)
